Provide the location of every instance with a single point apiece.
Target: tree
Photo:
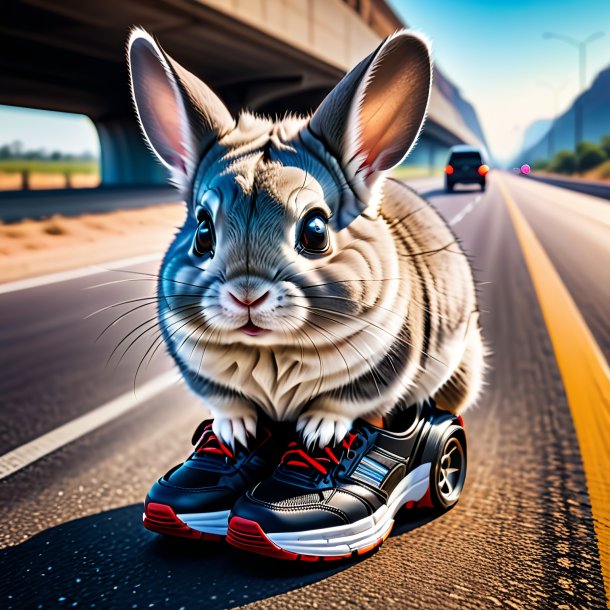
(563, 162)
(17, 148)
(589, 155)
(605, 143)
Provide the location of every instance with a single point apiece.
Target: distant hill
(596, 121)
(535, 132)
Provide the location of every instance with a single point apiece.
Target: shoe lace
(209, 443)
(321, 460)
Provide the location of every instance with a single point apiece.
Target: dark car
(465, 166)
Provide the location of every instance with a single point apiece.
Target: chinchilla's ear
(179, 114)
(372, 118)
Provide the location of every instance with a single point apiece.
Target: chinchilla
(304, 283)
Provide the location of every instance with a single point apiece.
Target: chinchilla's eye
(314, 233)
(205, 238)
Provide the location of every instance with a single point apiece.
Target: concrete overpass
(267, 55)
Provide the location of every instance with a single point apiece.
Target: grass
(601, 172)
(404, 172)
(11, 166)
(36, 247)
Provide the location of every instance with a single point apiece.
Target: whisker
(154, 320)
(160, 277)
(208, 324)
(152, 299)
(347, 340)
(397, 221)
(382, 279)
(375, 306)
(294, 335)
(323, 332)
(431, 252)
(116, 320)
(158, 341)
(337, 297)
(192, 316)
(205, 347)
(357, 330)
(296, 330)
(318, 386)
(123, 281)
(398, 339)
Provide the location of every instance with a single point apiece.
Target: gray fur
(387, 318)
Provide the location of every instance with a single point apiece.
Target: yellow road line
(585, 374)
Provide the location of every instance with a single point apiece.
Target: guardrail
(597, 189)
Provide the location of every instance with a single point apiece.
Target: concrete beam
(334, 32)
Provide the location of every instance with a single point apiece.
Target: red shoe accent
(249, 536)
(459, 418)
(409, 505)
(426, 501)
(161, 519)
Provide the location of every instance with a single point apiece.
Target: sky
(68, 133)
(493, 50)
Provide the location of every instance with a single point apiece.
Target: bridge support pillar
(125, 159)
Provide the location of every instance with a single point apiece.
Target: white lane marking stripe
(62, 276)
(22, 456)
(467, 209)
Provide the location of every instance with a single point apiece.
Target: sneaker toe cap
(191, 500)
(279, 517)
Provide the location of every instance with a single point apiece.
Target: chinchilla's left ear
(179, 114)
(372, 118)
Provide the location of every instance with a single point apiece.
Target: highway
(526, 534)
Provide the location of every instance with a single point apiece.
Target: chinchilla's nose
(247, 302)
(248, 291)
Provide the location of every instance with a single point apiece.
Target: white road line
(22, 456)
(466, 210)
(62, 276)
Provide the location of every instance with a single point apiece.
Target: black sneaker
(193, 499)
(341, 501)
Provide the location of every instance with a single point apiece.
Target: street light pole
(555, 90)
(581, 46)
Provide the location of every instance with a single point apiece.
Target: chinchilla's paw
(322, 428)
(232, 430)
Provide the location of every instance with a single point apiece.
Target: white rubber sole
(208, 523)
(345, 539)
(162, 519)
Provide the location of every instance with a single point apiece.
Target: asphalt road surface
(522, 536)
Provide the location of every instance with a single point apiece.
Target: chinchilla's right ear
(372, 118)
(179, 114)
